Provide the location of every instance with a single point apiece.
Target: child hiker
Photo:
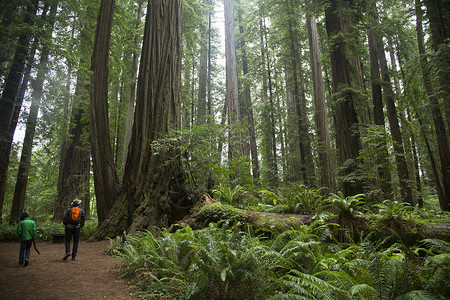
(26, 230)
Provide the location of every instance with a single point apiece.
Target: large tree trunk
(25, 159)
(321, 117)
(153, 188)
(105, 175)
(8, 100)
(346, 74)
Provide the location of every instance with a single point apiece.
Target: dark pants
(24, 252)
(69, 232)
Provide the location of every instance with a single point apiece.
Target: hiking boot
(73, 257)
(26, 263)
(66, 256)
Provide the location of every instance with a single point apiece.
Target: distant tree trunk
(73, 180)
(346, 74)
(402, 169)
(75, 164)
(293, 160)
(267, 145)
(307, 172)
(8, 100)
(436, 176)
(324, 140)
(272, 126)
(249, 109)
(25, 160)
(130, 107)
(105, 175)
(381, 159)
(235, 150)
(415, 163)
(203, 71)
(439, 125)
(153, 188)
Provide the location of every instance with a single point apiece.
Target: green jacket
(22, 229)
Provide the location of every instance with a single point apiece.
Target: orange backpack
(75, 215)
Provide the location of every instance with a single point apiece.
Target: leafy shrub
(8, 233)
(89, 228)
(300, 199)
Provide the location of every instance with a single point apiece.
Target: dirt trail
(47, 276)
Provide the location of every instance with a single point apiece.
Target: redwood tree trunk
(249, 109)
(321, 117)
(235, 150)
(130, 107)
(74, 171)
(203, 71)
(403, 174)
(105, 175)
(381, 159)
(439, 125)
(153, 191)
(346, 75)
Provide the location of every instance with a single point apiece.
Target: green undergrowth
(228, 260)
(45, 230)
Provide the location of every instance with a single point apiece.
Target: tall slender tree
(38, 86)
(105, 175)
(323, 134)
(8, 100)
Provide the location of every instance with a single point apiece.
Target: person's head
(76, 202)
(24, 215)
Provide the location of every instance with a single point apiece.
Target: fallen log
(208, 211)
(211, 211)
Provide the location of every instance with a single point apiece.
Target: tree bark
(153, 187)
(320, 115)
(8, 100)
(347, 86)
(105, 175)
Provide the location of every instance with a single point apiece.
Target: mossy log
(403, 231)
(211, 211)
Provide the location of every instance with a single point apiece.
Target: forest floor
(91, 276)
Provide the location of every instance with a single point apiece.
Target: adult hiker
(26, 231)
(74, 221)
